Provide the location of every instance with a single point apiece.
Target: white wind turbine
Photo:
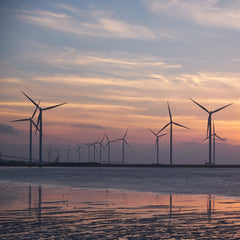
(123, 139)
(40, 121)
(171, 123)
(214, 135)
(31, 122)
(209, 126)
(157, 135)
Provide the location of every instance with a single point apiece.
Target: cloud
(7, 129)
(236, 60)
(88, 23)
(88, 126)
(206, 12)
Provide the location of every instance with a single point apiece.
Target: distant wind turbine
(100, 148)
(123, 139)
(157, 135)
(79, 151)
(94, 150)
(30, 131)
(88, 146)
(67, 149)
(214, 135)
(40, 121)
(171, 123)
(209, 126)
(109, 146)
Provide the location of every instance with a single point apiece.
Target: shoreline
(92, 164)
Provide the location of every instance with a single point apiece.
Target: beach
(49, 209)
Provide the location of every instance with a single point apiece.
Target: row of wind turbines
(97, 146)
(211, 134)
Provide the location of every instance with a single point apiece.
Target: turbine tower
(109, 146)
(171, 123)
(68, 150)
(123, 145)
(88, 146)
(79, 151)
(40, 121)
(31, 122)
(214, 135)
(94, 150)
(209, 126)
(100, 148)
(157, 141)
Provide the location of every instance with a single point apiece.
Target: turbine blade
(200, 105)
(208, 125)
(127, 143)
(222, 139)
(30, 99)
(152, 132)
(21, 120)
(107, 137)
(125, 134)
(162, 135)
(169, 111)
(35, 110)
(164, 127)
(205, 139)
(54, 106)
(177, 124)
(221, 108)
(37, 123)
(102, 139)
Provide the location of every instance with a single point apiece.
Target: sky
(117, 64)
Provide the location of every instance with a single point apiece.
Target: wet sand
(50, 212)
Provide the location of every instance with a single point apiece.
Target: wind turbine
(79, 151)
(123, 145)
(109, 147)
(171, 123)
(67, 149)
(88, 146)
(31, 122)
(157, 141)
(94, 150)
(100, 148)
(209, 126)
(49, 153)
(40, 121)
(214, 135)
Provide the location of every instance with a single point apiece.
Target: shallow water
(46, 212)
(119, 203)
(159, 180)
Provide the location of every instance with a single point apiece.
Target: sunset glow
(117, 65)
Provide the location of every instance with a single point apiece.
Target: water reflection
(109, 214)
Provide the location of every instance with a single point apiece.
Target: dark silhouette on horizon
(157, 141)
(171, 123)
(40, 122)
(123, 139)
(31, 123)
(209, 126)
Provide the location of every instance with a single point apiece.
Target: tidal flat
(32, 211)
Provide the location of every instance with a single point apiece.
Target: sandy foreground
(50, 212)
